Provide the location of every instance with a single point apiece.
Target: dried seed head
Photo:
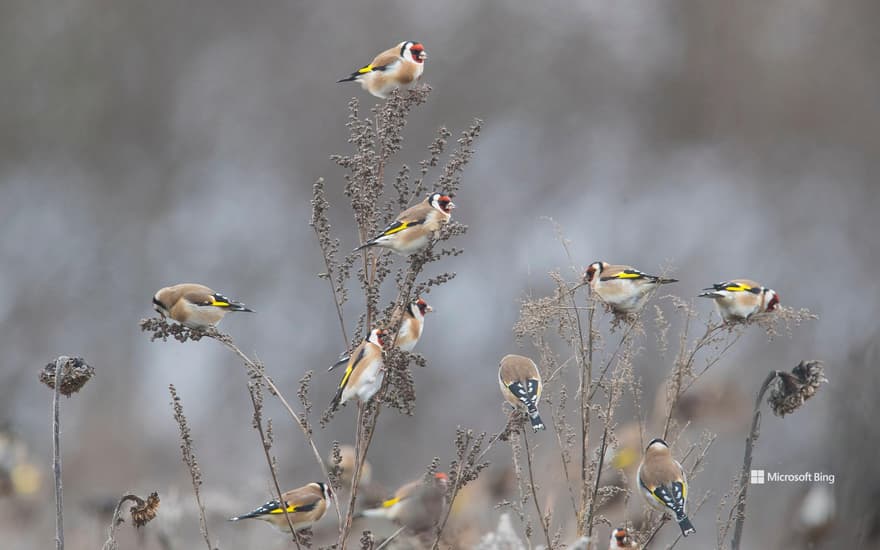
(146, 510)
(790, 390)
(74, 374)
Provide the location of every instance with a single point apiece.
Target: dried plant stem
(254, 368)
(117, 520)
(387, 541)
(747, 463)
(534, 490)
(365, 429)
(586, 380)
(602, 449)
(336, 299)
(258, 423)
(56, 461)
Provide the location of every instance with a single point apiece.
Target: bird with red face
(397, 67)
(620, 539)
(624, 288)
(414, 228)
(739, 299)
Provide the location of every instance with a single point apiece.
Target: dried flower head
(74, 374)
(790, 390)
(161, 328)
(145, 510)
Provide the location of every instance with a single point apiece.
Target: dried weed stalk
(189, 458)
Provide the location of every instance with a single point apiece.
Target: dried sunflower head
(790, 390)
(146, 510)
(74, 374)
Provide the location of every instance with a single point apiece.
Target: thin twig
(258, 423)
(56, 450)
(534, 489)
(389, 539)
(747, 462)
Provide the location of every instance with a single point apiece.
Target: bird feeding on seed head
(194, 305)
(520, 383)
(663, 484)
(397, 67)
(416, 505)
(624, 288)
(739, 299)
(364, 373)
(305, 506)
(414, 228)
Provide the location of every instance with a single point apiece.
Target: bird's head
(159, 304)
(441, 202)
(325, 490)
(441, 479)
(620, 538)
(657, 444)
(771, 298)
(413, 51)
(377, 337)
(594, 270)
(422, 307)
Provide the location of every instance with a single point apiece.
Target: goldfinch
(396, 67)
(411, 325)
(663, 484)
(364, 373)
(414, 228)
(305, 506)
(739, 299)
(520, 384)
(194, 305)
(416, 506)
(623, 288)
(620, 539)
(346, 466)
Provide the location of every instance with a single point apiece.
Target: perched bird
(346, 466)
(396, 67)
(623, 288)
(416, 506)
(411, 325)
(193, 305)
(520, 384)
(663, 484)
(305, 506)
(364, 373)
(739, 299)
(620, 539)
(413, 228)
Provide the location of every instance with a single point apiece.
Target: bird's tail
(372, 513)
(245, 516)
(349, 78)
(687, 528)
(238, 306)
(365, 245)
(710, 294)
(665, 280)
(342, 360)
(337, 399)
(535, 418)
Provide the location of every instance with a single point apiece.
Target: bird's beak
(451, 205)
(428, 308)
(424, 55)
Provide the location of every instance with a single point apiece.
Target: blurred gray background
(148, 143)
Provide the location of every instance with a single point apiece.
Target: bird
(520, 384)
(663, 483)
(346, 466)
(194, 305)
(364, 373)
(624, 288)
(396, 67)
(414, 228)
(620, 539)
(416, 505)
(305, 506)
(739, 299)
(411, 325)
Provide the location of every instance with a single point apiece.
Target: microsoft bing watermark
(761, 477)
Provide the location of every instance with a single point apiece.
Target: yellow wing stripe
(625, 275)
(219, 304)
(737, 288)
(290, 509)
(390, 502)
(367, 69)
(397, 229)
(345, 377)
